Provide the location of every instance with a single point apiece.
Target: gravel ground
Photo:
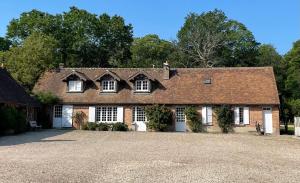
(86, 156)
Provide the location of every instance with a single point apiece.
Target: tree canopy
(149, 51)
(84, 39)
(211, 39)
(29, 60)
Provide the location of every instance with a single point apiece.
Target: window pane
(180, 117)
(58, 111)
(111, 85)
(145, 85)
(98, 113)
(115, 113)
(139, 114)
(103, 114)
(241, 113)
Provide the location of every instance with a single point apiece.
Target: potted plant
(79, 118)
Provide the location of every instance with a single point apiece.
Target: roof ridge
(149, 68)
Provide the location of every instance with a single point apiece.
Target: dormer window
(75, 86)
(142, 85)
(108, 86)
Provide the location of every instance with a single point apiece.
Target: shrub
(103, 127)
(193, 120)
(84, 126)
(47, 98)
(159, 117)
(91, 126)
(225, 118)
(295, 106)
(12, 119)
(79, 118)
(119, 127)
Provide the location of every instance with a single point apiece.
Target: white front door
(267, 117)
(141, 126)
(180, 125)
(67, 112)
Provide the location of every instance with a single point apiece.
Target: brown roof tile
(239, 85)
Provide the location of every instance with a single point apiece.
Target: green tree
(149, 51)
(32, 58)
(4, 44)
(211, 39)
(84, 39)
(293, 79)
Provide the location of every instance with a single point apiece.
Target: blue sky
(275, 22)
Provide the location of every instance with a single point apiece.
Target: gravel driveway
(87, 156)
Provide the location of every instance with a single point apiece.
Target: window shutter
(209, 115)
(120, 114)
(246, 115)
(236, 116)
(92, 114)
(203, 113)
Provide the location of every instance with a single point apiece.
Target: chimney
(166, 69)
(61, 66)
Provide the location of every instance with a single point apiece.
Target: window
(180, 117)
(142, 85)
(139, 114)
(57, 111)
(108, 85)
(241, 115)
(106, 114)
(207, 115)
(75, 86)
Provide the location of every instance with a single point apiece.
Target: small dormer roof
(108, 72)
(141, 72)
(80, 75)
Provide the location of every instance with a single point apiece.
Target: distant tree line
(37, 41)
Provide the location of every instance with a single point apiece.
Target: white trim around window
(75, 86)
(108, 85)
(241, 115)
(207, 115)
(138, 114)
(142, 85)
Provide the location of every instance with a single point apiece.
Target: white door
(267, 116)
(67, 112)
(57, 116)
(141, 126)
(180, 120)
(139, 118)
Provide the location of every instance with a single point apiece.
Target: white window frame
(106, 114)
(57, 111)
(180, 116)
(75, 86)
(238, 117)
(135, 114)
(207, 118)
(142, 85)
(111, 85)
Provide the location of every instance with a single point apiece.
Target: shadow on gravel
(34, 136)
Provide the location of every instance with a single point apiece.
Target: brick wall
(256, 115)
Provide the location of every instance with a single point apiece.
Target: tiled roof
(239, 85)
(13, 93)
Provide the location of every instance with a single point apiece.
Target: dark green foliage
(150, 50)
(119, 127)
(91, 126)
(47, 98)
(4, 44)
(295, 107)
(159, 117)
(28, 61)
(193, 120)
(225, 118)
(103, 126)
(84, 39)
(12, 119)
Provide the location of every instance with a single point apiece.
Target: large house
(120, 94)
